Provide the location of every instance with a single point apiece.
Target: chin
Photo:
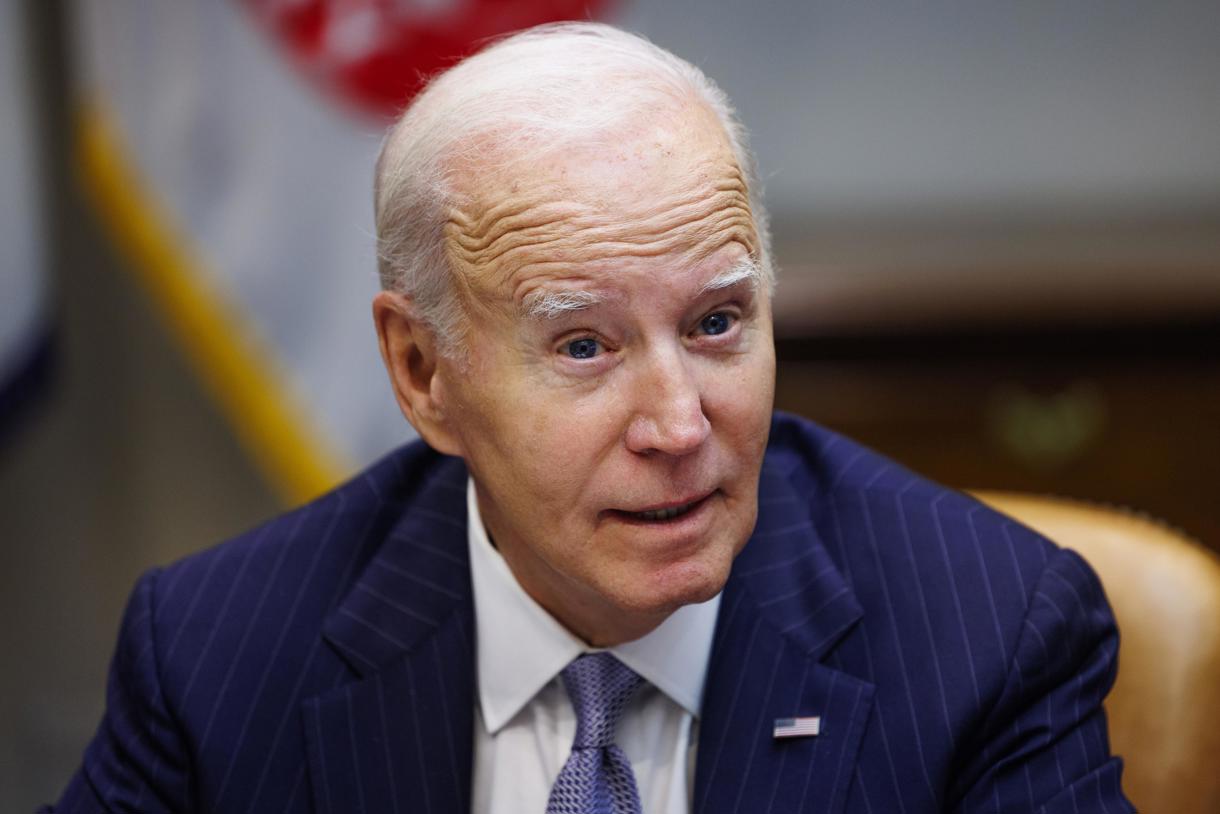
(679, 584)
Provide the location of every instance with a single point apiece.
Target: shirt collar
(521, 647)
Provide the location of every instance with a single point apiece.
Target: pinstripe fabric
(325, 661)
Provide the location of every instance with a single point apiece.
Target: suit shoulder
(321, 544)
(865, 504)
(824, 461)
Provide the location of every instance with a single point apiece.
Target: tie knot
(600, 687)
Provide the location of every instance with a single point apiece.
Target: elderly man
(612, 580)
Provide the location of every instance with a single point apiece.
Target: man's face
(616, 399)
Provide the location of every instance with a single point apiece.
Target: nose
(668, 416)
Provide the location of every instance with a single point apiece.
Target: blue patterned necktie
(597, 779)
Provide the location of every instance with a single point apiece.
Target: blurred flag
(24, 332)
(230, 148)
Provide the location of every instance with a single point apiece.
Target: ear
(409, 350)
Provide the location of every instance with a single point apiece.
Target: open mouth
(663, 515)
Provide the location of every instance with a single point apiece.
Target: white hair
(530, 92)
(552, 304)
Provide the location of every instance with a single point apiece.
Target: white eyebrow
(743, 269)
(550, 304)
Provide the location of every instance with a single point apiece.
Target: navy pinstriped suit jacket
(324, 663)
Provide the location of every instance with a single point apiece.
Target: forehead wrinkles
(528, 230)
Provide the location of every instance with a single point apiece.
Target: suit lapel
(399, 737)
(785, 607)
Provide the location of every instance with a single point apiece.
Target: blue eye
(716, 323)
(582, 348)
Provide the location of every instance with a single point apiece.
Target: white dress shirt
(524, 721)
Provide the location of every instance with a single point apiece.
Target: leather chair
(1164, 710)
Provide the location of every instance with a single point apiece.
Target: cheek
(742, 395)
(554, 446)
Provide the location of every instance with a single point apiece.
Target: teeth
(664, 514)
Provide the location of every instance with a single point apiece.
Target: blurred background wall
(998, 227)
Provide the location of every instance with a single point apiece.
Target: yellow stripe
(236, 369)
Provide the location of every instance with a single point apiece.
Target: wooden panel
(1144, 434)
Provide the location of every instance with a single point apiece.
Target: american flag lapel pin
(797, 727)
